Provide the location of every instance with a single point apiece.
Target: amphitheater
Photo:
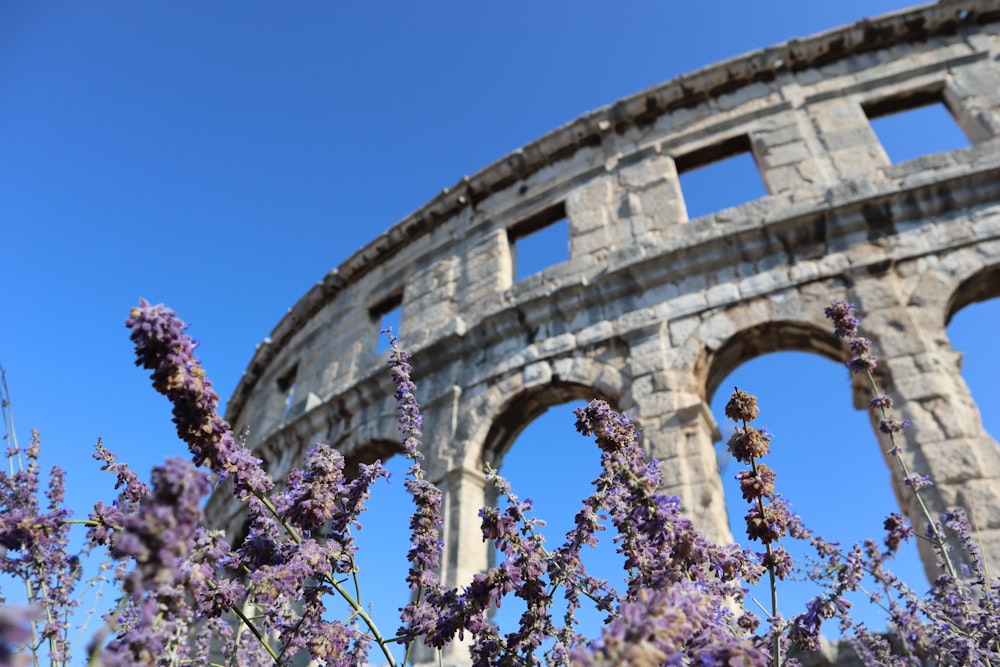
(653, 309)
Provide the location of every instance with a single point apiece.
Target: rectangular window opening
(286, 389)
(539, 241)
(916, 124)
(388, 315)
(719, 176)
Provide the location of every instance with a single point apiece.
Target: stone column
(465, 552)
(852, 148)
(946, 440)
(678, 429)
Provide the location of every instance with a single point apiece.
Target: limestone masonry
(653, 309)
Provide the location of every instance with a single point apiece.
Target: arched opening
(828, 461)
(828, 467)
(972, 317)
(526, 407)
(382, 544)
(758, 340)
(545, 460)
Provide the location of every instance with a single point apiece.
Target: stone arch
(368, 452)
(508, 404)
(979, 288)
(983, 285)
(829, 466)
(527, 406)
(726, 338)
(764, 338)
(723, 340)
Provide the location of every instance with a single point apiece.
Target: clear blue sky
(222, 157)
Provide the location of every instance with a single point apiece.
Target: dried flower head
(742, 407)
(748, 444)
(756, 483)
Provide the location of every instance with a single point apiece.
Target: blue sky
(222, 157)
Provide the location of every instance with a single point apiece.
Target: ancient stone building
(652, 309)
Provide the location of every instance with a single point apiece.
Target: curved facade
(653, 309)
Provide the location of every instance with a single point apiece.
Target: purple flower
(846, 326)
(880, 402)
(778, 559)
(891, 425)
(162, 346)
(39, 541)
(134, 488)
(768, 525)
(218, 600)
(314, 491)
(917, 482)
(805, 628)
(844, 322)
(410, 418)
(160, 538)
(898, 529)
(863, 363)
(107, 519)
(425, 523)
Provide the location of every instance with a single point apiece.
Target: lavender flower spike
(160, 538)
(162, 346)
(425, 522)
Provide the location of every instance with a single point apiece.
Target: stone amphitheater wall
(653, 309)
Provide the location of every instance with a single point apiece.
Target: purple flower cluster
(162, 346)
(33, 549)
(662, 551)
(422, 617)
(956, 622)
(276, 581)
(694, 579)
(158, 538)
(425, 522)
(275, 596)
(668, 627)
(768, 518)
(845, 325)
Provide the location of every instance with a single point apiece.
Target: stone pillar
(465, 552)
(973, 96)
(678, 429)
(946, 440)
(852, 148)
(485, 269)
(429, 311)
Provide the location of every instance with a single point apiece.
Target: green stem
(351, 601)
(770, 562)
(938, 536)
